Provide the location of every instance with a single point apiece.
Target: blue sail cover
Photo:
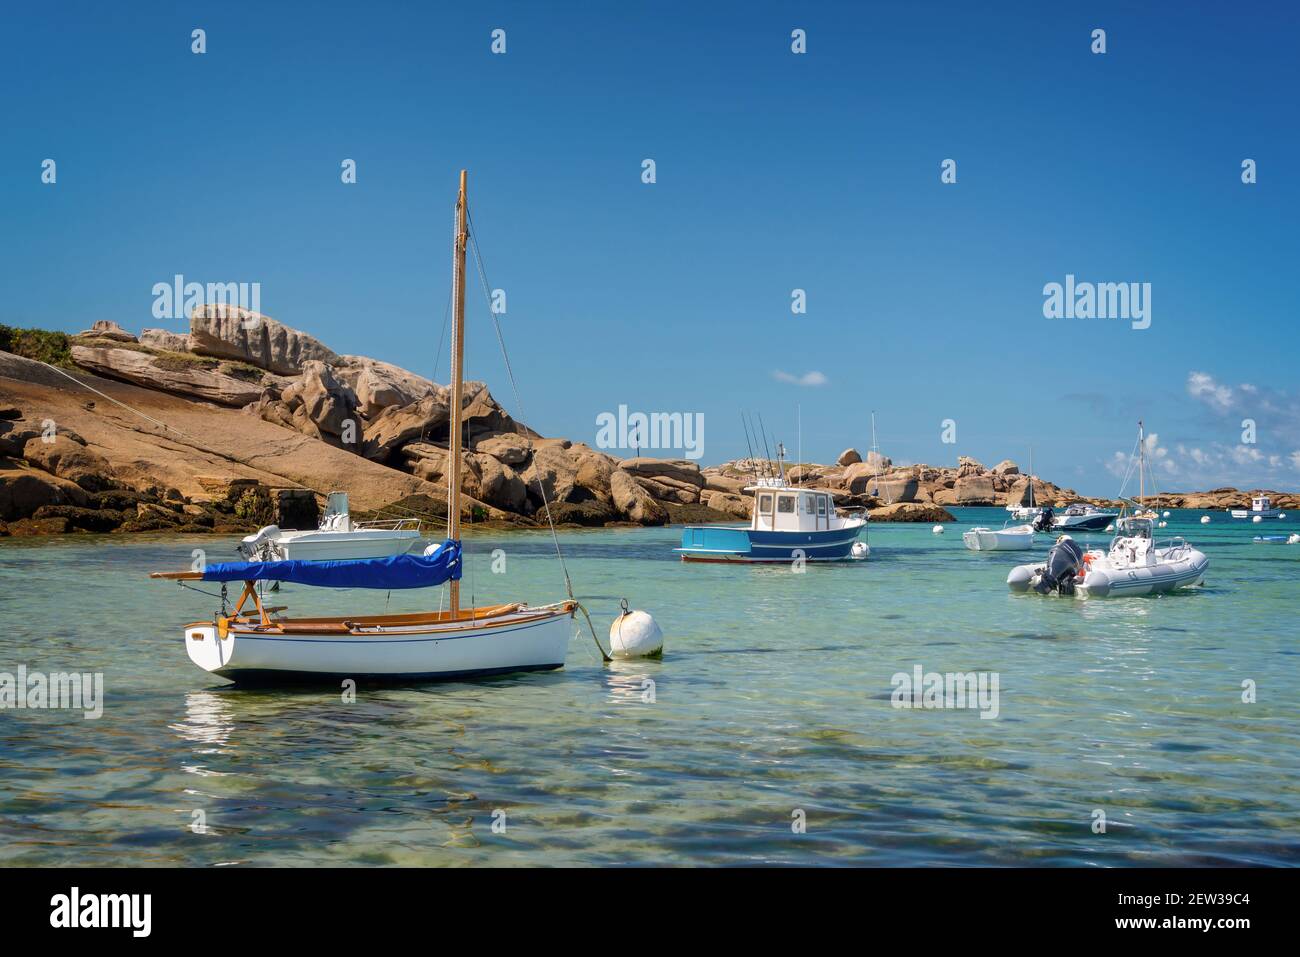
(399, 571)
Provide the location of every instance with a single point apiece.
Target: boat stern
(712, 543)
(206, 647)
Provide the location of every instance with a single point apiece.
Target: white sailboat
(1027, 513)
(258, 645)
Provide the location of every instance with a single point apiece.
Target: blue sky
(775, 172)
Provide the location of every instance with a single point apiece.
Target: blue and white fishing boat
(788, 523)
(1260, 507)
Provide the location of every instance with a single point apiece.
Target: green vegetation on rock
(39, 344)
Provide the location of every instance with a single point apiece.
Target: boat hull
(327, 546)
(394, 653)
(997, 540)
(706, 543)
(1247, 513)
(1167, 575)
(1082, 523)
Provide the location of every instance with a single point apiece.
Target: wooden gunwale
(467, 620)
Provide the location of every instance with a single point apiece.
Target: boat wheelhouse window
(808, 506)
(785, 504)
(821, 504)
(765, 504)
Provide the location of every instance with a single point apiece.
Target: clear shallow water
(774, 695)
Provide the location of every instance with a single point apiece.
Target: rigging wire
(514, 385)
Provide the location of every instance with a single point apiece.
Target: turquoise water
(773, 698)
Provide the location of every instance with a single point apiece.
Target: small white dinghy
(1005, 539)
(1135, 564)
(337, 538)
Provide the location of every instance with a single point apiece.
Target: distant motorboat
(1083, 518)
(1260, 507)
(337, 538)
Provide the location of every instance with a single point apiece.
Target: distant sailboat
(254, 644)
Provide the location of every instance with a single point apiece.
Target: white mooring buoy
(1110, 527)
(938, 530)
(634, 634)
(1165, 515)
(860, 550)
(1257, 519)
(1205, 520)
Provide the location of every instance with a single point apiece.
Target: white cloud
(1203, 386)
(813, 378)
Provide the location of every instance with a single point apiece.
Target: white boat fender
(1205, 520)
(635, 634)
(860, 550)
(937, 530)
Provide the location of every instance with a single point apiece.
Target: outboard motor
(1044, 520)
(1063, 564)
(259, 546)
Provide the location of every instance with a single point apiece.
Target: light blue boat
(788, 524)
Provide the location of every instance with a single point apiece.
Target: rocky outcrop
(911, 512)
(380, 385)
(67, 457)
(738, 506)
(208, 380)
(633, 502)
(24, 489)
(316, 403)
(164, 340)
(395, 426)
(243, 445)
(232, 332)
(679, 470)
(106, 329)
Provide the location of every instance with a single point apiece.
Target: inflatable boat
(1135, 564)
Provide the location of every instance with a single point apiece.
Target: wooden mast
(1142, 452)
(457, 376)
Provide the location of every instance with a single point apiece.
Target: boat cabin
(1135, 528)
(787, 509)
(1260, 503)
